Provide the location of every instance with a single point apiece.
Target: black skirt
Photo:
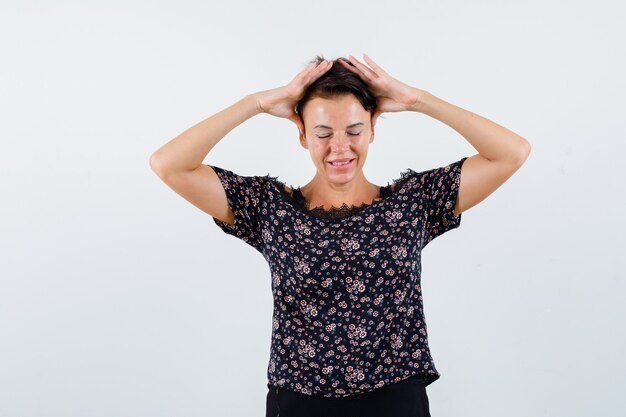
(406, 398)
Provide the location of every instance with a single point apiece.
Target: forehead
(335, 112)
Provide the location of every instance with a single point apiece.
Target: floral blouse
(346, 282)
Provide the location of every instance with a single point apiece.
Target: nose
(339, 143)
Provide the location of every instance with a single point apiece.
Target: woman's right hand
(281, 101)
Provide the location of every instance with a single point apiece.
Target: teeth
(340, 163)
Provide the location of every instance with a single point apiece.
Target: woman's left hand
(392, 95)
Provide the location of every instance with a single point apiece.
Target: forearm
(491, 140)
(187, 151)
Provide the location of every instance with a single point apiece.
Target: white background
(120, 298)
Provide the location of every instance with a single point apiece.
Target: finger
(347, 65)
(308, 68)
(354, 70)
(372, 64)
(357, 67)
(312, 67)
(321, 68)
(363, 68)
(304, 72)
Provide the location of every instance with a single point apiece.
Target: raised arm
(501, 152)
(187, 151)
(179, 163)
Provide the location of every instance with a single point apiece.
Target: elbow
(524, 151)
(526, 148)
(156, 164)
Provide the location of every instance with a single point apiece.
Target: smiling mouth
(342, 165)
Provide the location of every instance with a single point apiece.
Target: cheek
(319, 148)
(363, 147)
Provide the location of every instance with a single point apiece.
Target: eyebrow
(328, 127)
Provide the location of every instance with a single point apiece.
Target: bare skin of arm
(179, 163)
(501, 152)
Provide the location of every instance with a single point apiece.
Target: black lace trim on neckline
(333, 212)
(344, 210)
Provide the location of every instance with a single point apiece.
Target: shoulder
(230, 177)
(407, 180)
(434, 177)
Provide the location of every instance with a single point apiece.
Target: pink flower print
(306, 349)
(396, 341)
(379, 299)
(354, 285)
(358, 273)
(354, 374)
(399, 296)
(356, 332)
(349, 244)
(328, 369)
(301, 265)
(398, 251)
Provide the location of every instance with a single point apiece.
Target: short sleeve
(442, 188)
(243, 194)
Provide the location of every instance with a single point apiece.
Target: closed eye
(327, 136)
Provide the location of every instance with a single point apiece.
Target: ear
(374, 119)
(302, 139)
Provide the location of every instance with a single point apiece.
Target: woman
(349, 336)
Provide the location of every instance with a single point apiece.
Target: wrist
(422, 97)
(254, 99)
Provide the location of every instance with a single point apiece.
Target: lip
(342, 167)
